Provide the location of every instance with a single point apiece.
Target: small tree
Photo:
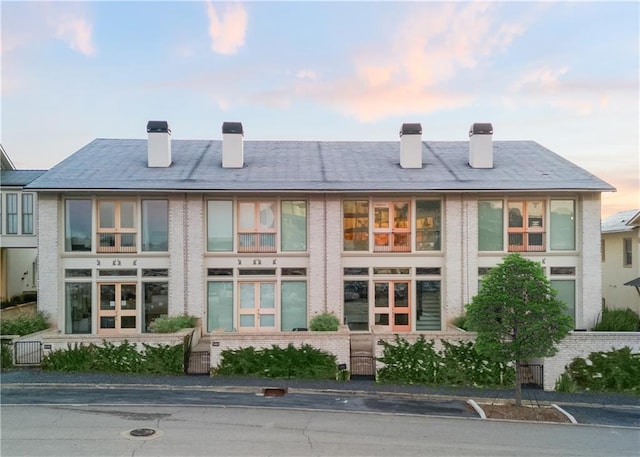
(516, 315)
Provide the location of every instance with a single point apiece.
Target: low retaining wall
(25, 309)
(581, 344)
(53, 341)
(336, 343)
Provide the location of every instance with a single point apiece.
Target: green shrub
(112, 358)
(6, 355)
(618, 320)
(325, 322)
(76, 358)
(163, 359)
(613, 371)
(455, 364)
(24, 324)
(461, 322)
(172, 324)
(566, 384)
(305, 362)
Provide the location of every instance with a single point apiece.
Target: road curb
(567, 415)
(477, 407)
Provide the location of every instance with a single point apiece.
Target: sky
(563, 74)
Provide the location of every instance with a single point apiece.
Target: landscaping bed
(526, 413)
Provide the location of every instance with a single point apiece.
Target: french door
(118, 313)
(257, 306)
(391, 306)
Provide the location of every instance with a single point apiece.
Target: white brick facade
(589, 287)
(581, 344)
(50, 293)
(336, 343)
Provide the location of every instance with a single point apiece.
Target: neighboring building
(18, 235)
(261, 235)
(620, 251)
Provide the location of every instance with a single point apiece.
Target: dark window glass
(77, 273)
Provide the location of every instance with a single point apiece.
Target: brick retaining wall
(336, 343)
(581, 344)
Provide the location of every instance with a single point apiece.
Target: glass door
(118, 309)
(257, 306)
(391, 305)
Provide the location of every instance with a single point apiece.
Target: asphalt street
(155, 431)
(35, 387)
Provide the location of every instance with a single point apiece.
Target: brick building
(259, 236)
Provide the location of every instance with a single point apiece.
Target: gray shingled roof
(119, 164)
(19, 178)
(618, 222)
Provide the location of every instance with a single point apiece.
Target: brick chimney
(411, 146)
(232, 145)
(481, 145)
(158, 144)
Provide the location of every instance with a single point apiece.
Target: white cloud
(30, 23)
(407, 73)
(306, 74)
(227, 29)
(77, 32)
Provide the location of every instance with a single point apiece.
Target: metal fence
(532, 375)
(363, 365)
(27, 352)
(199, 363)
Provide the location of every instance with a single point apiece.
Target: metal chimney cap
(158, 126)
(481, 128)
(232, 127)
(411, 129)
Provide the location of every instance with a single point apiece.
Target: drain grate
(274, 392)
(142, 432)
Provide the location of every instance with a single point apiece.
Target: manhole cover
(142, 432)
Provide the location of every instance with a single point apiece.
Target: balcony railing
(116, 242)
(257, 242)
(527, 241)
(392, 242)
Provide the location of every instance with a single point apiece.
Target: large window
(356, 225)
(527, 225)
(428, 305)
(12, 214)
(293, 308)
(155, 225)
(428, 223)
(562, 227)
(156, 303)
(220, 306)
(116, 226)
(391, 226)
(78, 225)
(294, 226)
(566, 289)
(526, 228)
(490, 225)
(258, 225)
(78, 307)
(27, 214)
(627, 252)
(220, 225)
(356, 305)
